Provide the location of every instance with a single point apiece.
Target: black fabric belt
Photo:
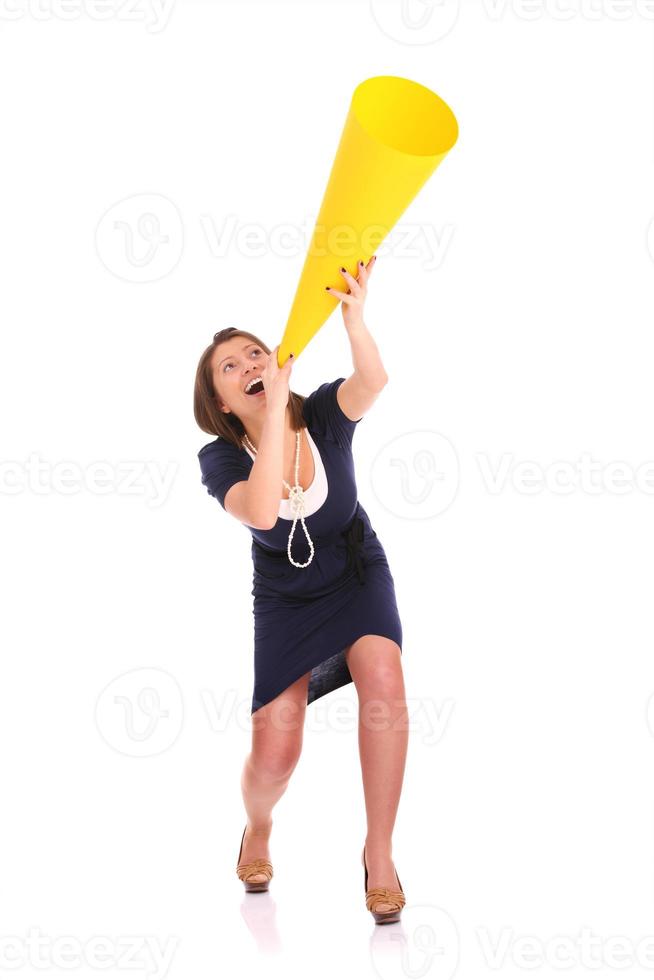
(354, 540)
(354, 535)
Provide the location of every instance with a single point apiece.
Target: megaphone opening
(405, 115)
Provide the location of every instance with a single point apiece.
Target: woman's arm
(258, 497)
(358, 392)
(255, 501)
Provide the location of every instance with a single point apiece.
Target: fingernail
(342, 268)
(360, 262)
(292, 355)
(327, 287)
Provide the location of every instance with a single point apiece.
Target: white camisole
(316, 494)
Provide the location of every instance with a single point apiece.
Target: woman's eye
(229, 363)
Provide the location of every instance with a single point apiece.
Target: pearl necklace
(297, 502)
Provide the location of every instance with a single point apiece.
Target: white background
(526, 337)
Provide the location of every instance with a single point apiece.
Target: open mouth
(256, 389)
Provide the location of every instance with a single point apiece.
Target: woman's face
(235, 363)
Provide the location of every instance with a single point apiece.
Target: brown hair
(205, 408)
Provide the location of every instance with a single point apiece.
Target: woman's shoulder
(221, 454)
(221, 465)
(324, 391)
(218, 445)
(324, 415)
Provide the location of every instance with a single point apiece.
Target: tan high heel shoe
(386, 905)
(256, 874)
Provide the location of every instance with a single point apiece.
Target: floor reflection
(259, 913)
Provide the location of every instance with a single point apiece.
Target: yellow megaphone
(395, 135)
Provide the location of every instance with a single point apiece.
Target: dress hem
(309, 670)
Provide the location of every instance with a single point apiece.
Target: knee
(383, 680)
(382, 699)
(380, 674)
(275, 762)
(375, 666)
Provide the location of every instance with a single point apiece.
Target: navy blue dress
(305, 618)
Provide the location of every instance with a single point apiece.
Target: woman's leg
(375, 666)
(277, 730)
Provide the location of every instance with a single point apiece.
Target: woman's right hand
(276, 380)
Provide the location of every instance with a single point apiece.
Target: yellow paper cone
(395, 135)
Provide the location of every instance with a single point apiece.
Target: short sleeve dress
(306, 618)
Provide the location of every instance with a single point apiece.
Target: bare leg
(277, 730)
(375, 666)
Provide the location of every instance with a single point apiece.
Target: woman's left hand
(354, 298)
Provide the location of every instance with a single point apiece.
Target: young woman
(324, 606)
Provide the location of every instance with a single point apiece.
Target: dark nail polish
(342, 268)
(326, 287)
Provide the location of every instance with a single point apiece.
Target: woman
(324, 606)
